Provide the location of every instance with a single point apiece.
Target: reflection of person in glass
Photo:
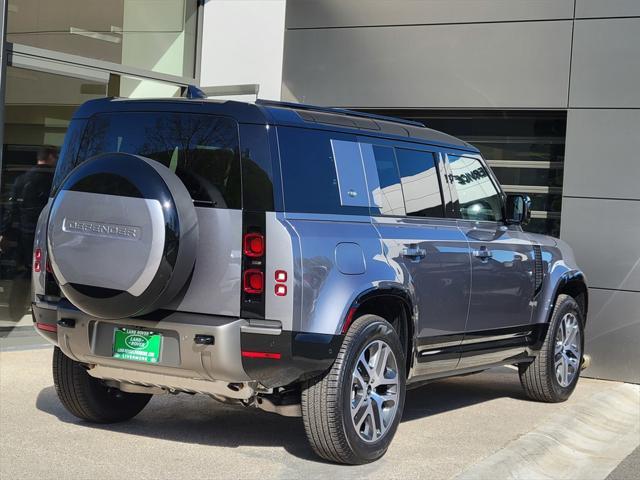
(29, 196)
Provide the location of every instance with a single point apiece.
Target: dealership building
(548, 90)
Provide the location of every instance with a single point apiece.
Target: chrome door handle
(483, 253)
(414, 253)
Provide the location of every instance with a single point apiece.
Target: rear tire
(89, 398)
(364, 387)
(545, 379)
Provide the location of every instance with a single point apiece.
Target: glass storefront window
(38, 108)
(155, 35)
(151, 36)
(130, 87)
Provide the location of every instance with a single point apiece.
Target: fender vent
(538, 272)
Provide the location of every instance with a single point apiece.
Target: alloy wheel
(374, 391)
(568, 346)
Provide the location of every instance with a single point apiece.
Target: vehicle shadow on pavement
(201, 420)
(460, 392)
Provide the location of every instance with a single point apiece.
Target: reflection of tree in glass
(203, 150)
(94, 139)
(192, 135)
(87, 142)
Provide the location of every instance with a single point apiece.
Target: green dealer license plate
(137, 345)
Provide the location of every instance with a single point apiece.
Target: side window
(384, 187)
(420, 184)
(310, 160)
(478, 197)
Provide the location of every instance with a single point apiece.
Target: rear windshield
(203, 150)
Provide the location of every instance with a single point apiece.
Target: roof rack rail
(342, 111)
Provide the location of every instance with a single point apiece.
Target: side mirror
(518, 209)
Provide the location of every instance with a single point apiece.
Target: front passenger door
(502, 260)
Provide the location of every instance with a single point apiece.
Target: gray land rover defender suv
(306, 261)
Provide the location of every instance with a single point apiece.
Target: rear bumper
(290, 356)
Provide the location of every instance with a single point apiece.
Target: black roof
(283, 113)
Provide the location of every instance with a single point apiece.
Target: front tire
(89, 398)
(352, 412)
(553, 375)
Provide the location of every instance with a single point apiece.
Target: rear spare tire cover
(122, 235)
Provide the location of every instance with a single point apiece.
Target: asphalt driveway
(450, 427)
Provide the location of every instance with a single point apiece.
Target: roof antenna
(194, 92)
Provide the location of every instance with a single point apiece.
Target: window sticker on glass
(350, 172)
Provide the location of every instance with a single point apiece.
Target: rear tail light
(272, 355)
(254, 245)
(254, 254)
(37, 260)
(253, 281)
(47, 327)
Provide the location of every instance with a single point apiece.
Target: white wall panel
(612, 334)
(607, 8)
(524, 65)
(341, 13)
(605, 236)
(602, 151)
(605, 68)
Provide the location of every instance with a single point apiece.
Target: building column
(242, 45)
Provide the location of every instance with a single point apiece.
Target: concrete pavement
(449, 428)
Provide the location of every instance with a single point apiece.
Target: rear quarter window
(203, 150)
(309, 175)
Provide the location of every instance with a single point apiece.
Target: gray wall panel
(605, 236)
(612, 334)
(474, 65)
(606, 63)
(602, 149)
(607, 8)
(341, 13)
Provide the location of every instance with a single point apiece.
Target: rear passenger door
(429, 252)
